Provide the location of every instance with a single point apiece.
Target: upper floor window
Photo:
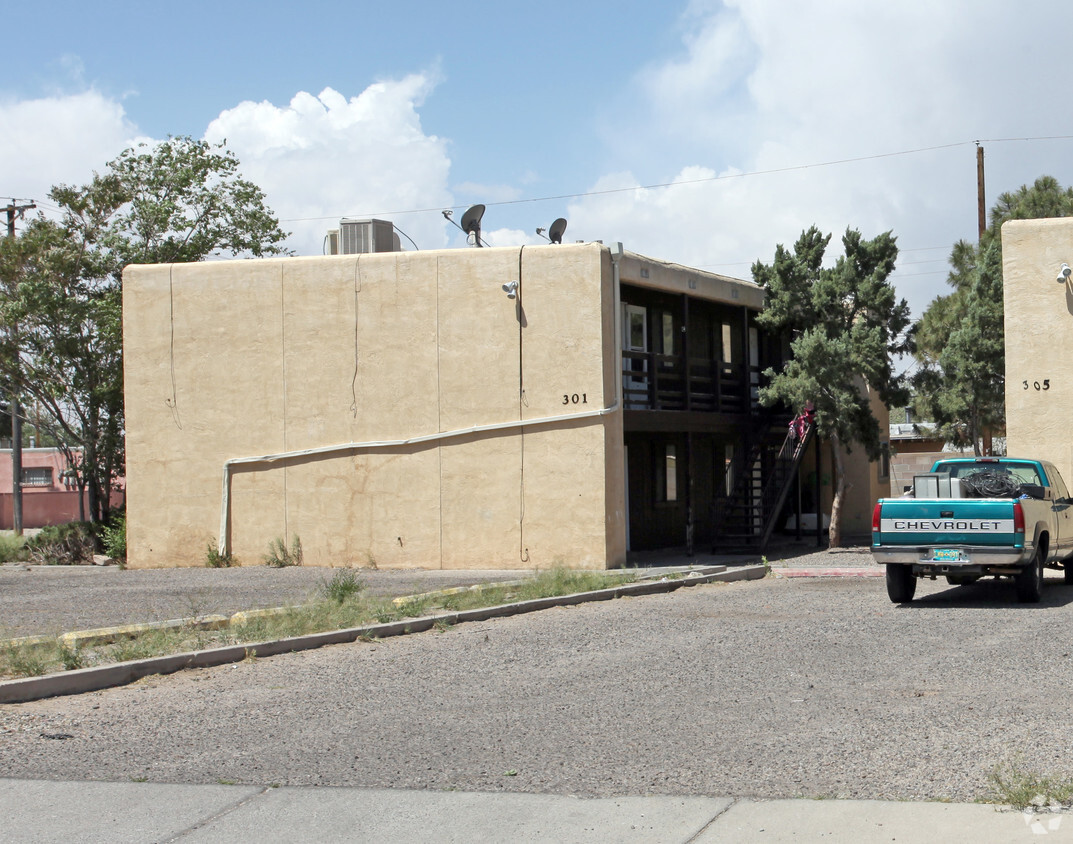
(667, 333)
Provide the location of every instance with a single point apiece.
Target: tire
(1029, 581)
(1067, 571)
(901, 584)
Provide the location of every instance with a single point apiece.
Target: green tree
(960, 349)
(62, 308)
(61, 285)
(845, 325)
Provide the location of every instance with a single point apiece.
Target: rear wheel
(1067, 570)
(1029, 581)
(901, 585)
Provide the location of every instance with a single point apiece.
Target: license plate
(946, 555)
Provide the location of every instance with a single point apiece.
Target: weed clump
(23, 661)
(215, 560)
(114, 539)
(12, 548)
(280, 556)
(344, 585)
(70, 544)
(1020, 788)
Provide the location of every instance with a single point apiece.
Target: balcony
(652, 381)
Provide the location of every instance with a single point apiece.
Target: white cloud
(329, 155)
(508, 237)
(323, 156)
(60, 139)
(758, 86)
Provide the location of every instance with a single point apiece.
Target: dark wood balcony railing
(652, 381)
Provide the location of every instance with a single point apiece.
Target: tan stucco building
(513, 407)
(1039, 340)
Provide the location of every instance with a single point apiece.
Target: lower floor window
(37, 476)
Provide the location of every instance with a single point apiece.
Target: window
(667, 325)
(728, 345)
(1020, 473)
(671, 488)
(666, 474)
(634, 338)
(37, 476)
(728, 469)
(884, 461)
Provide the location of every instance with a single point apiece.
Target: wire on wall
(523, 552)
(283, 357)
(354, 379)
(172, 402)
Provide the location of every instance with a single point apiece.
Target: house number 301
(575, 398)
(1045, 384)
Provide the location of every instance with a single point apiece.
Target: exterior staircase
(746, 518)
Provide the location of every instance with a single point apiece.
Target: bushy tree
(960, 382)
(845, 324)
(61, 290)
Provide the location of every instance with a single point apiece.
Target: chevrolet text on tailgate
(971, 518)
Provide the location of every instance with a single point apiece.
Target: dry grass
(342, 605)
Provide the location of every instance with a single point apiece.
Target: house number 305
(1039, 385)
(575, 398)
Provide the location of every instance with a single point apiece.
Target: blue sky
(348, 109)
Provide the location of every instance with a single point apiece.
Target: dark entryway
(673, 481)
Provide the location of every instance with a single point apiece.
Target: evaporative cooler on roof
(360, 236)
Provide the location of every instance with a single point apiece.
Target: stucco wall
(237, 359)
(1039, 340)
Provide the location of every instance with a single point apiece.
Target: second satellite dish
(555, 233)
(471, 222)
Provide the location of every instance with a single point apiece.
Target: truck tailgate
(957, 522)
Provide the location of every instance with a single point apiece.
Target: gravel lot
(773, 688)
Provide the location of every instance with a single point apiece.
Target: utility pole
(981, 211)
(14, 212)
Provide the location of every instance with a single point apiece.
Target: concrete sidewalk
(48, 811)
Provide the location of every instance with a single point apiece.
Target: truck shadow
(989, 593)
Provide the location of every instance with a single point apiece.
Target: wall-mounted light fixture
(1064, 274)
(511, 289)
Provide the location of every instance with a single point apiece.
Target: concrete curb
(101, 677)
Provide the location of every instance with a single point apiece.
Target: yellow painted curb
(246, 616)
(456, 590)
(104, 635)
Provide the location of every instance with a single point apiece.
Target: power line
(724, 177)
(608, 191)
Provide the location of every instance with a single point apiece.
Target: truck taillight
(875, 519)
(1018, 517)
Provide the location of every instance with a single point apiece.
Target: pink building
(49, 496)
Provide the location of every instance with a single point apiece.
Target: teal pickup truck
(976, 517)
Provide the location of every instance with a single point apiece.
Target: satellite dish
(471, 222)
(555, 233)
